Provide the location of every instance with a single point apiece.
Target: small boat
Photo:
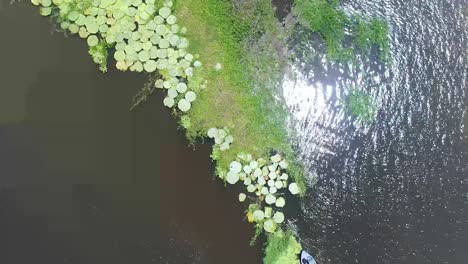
(306, 258)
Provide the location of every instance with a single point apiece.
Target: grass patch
(327, 19)
(282, 248)
(218, 33)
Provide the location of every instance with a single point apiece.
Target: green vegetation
(369, 34)
(99, 53)
(361, 105)
(326, 18)
(282, 248)
(232, 97)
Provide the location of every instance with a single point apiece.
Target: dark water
(83, 180)
(395, 191)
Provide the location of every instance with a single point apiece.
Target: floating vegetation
(282, 248)
(268, 181)
(361, 105)
(145, 39)
(326, 18)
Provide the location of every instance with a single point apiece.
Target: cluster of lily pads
(221, 137)
(268, 180)
(146, 39)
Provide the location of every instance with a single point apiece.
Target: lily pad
(232, 178)
(235, 166)
(270, 199)
(190, 96)
(242, 197)
(269, 226)
(169, 102)
(275, 158)
(293, 188)
(258, 215)
(278, 217)
(280, 202)
(184, 105)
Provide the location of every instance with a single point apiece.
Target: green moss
(282, 248)
(219, 34)
(361, 105)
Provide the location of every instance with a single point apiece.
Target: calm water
(85, 181)
(395, 191)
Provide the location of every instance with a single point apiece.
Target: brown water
(83, 180)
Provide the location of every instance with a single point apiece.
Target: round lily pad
(293, 188)
(184, 105)
(181, 87)
(212, 132)
(119, 55)
(92, 40)
(171, 20)
(165, 12)
(190, 96)
(258, 215)
(169, 102)
(280, 202)
(242, 197)
(150, 66)
(275, 158)
(172, 93)
(159, 83)
(143, 55)
(278, 217)
(232, 178)
(270, 199)
(235, 166)
(46, 11)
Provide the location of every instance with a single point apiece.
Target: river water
(396, 190)
(85, 181)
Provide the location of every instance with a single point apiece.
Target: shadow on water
(83, 180)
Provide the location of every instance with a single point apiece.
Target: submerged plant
(326, 18)
(361, 105)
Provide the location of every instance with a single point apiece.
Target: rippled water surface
(395, 190)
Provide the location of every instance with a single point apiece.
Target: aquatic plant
(145, 39)
(265, 179)
(327, 19)
(282, 248)
(361, 105)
